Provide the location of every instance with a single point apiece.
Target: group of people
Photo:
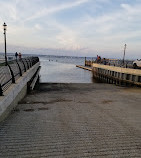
(101, 60)
(18, 55)
(98, 59)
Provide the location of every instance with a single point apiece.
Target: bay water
(62, 69)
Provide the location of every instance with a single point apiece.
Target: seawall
(116, 75)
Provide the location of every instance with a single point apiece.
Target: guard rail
(14, 69)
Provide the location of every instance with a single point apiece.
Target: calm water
(63, 70)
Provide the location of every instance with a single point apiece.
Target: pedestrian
(99, 59)
(16, 55)
(20, 56)
(104, 61)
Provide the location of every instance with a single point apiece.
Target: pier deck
(74, 121)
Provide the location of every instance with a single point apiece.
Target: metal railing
(15, 68)
(112, 62)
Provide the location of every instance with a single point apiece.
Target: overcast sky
(72, 27)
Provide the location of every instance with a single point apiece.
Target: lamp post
(124, 53)
(4, 28)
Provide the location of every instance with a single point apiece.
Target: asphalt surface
(74, 121)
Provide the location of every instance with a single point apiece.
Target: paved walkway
(74, 121)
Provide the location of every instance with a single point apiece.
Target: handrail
(14, 69)
(112, 62)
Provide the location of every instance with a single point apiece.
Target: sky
(72, 27)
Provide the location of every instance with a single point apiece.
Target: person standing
(20, 56)
(104, 61)
(16, 55)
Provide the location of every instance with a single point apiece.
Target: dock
(112, 74)
(116, 75)
(84, 67)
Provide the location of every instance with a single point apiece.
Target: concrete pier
(74, 121)
(116, 75)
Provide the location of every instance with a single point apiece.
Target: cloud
(52, 10)
(66, 37)
(89, 26)
(38, 27)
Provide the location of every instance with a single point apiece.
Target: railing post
(30, 62)
(27, 64)
(19, 68)
(1, 91)
(12, 74)
(23, 65)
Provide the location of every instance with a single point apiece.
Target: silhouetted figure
(16, 55)
(104, 61)
(97, 58)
